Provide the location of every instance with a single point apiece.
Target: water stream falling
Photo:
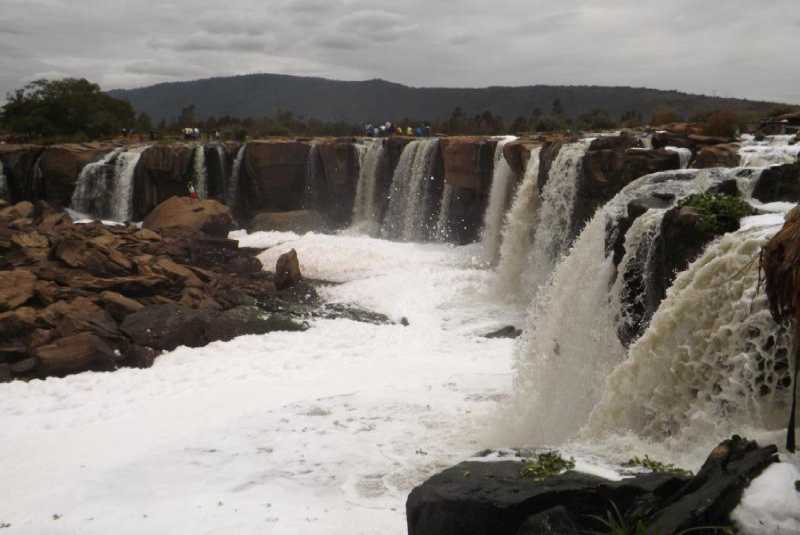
(683, 153)
(366, 207)
(232, 189)
(200, 172)
(93, 188)
(315, 183)
(499, 197)
(122, 190)
(570, 344)
(517, 235)
(442, 231)
(772, 150)
(406, 216)
(554, 220)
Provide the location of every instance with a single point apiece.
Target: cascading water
(314, 186)
(570, 344)
(772, 150)
(221, 159)
(3, 182)
(410, 192)
(683, 153)
(93, 190)
(232, 190)
(122, 190)
(517, 235)
(200, 172)
(712, 362)
(554, 219)
(442, 231)
(366, 207)
(499, 197)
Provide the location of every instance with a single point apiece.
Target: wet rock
(778, 183)
(209, 216)
(16, 288)
(506, 332)
(163, 171)
(168, 326)
(553, 521)
(21, 210)
(287, 270)
(118, 305)
(18, 163)
(61, 165)
(494, 497)
(299, 221)
(725, 155)
(75, 353)
(273, 176)
(79, 315)
(516, 154)
(244, 320)
(340, 167)
(468, 162)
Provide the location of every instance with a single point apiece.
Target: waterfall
(222, 167)
(315, 184)
(772, 150)
(366, 208)
(4, 193)
(499, 197)
(200, 172)
(122, 190)
(232, 190)
(93, 190)
(712, 362)
(442, 231)
(517, 234)
(684, 154)
(570, 343)
(555, 214)
(410, 191)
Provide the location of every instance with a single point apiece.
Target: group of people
(388, 129)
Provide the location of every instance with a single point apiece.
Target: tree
(143, 122)
(558, 108)
(186, 119)
(664, 116)
(65, 107)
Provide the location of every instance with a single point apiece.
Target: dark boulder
(496, 498)
(508, 331)
(778, 183)
(287, 270)
(168, 326)
(244, 320)
(273, 176)
(725, 155)
(208, 216)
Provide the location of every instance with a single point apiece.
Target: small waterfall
(554, 220)
(410, 192)
(93, 190)
(517, 235)
(366, 208)
(683, 153)
(200, 172)
(4, 193)
(713, 360)
(442, 231)
(232, 190)
(222, 158)
(122, 190)
(772, 150)
(315, 184)
(499, 197)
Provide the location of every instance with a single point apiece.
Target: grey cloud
(732, 47)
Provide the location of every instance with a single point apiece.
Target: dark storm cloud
(724, 47)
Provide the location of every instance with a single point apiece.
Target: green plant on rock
(549, 463)
(718, 213)
(656, 466)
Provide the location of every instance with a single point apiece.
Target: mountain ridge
(359, 101)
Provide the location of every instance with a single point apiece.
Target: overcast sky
(720, 47)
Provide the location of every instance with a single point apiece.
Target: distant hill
(258, 95)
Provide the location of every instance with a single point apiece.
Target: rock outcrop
(300, 221)
(498, 497)
(273, 176)
(60, 166)
(339, 164)
(778, 183)
(163, 171)
(76, 297)
(208, 216)
(723, 155)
